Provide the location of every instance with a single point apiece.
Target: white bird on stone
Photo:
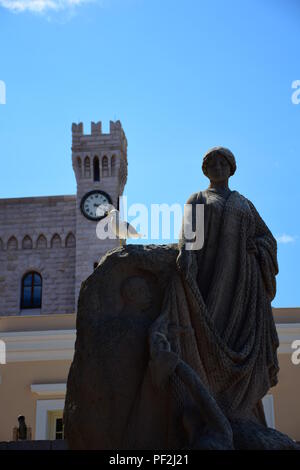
(120, 228)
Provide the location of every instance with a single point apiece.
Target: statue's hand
(158, 343)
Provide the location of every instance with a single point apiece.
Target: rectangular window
(55, 425)
(59, 431)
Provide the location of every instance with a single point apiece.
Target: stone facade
(51, 236)
(38, 234)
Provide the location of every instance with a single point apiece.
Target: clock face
(90, 203)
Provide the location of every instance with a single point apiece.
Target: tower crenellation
(96, 128)
(115, 137)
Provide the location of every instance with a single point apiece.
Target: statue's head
(136, 291)
(218, 164)
(21, 419)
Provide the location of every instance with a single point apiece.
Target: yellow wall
(286, 398)
(37, 322)
(15, 394)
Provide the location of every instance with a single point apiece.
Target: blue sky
(182, 76)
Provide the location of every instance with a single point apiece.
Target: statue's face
(217, 168)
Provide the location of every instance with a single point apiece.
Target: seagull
(120, 228)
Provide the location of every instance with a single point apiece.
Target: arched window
(12, 244)
(41, 242)
(96, 169)
(70, 240)
(87, 167)
(56, 241)
(113, 166)
(31, 296)
(104, 166)
(79, 167)
(27, 243)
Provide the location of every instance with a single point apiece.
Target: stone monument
(176, 348)
(21, 432)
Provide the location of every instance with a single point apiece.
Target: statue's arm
(193, 199)
(261, 228)
(266, 247)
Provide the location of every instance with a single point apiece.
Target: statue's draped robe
(218, 308)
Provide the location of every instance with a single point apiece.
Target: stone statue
(21, 432)
(176, 348)
(232, 279)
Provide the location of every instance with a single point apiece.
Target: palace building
(48, 246)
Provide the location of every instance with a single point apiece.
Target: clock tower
(100, 165)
